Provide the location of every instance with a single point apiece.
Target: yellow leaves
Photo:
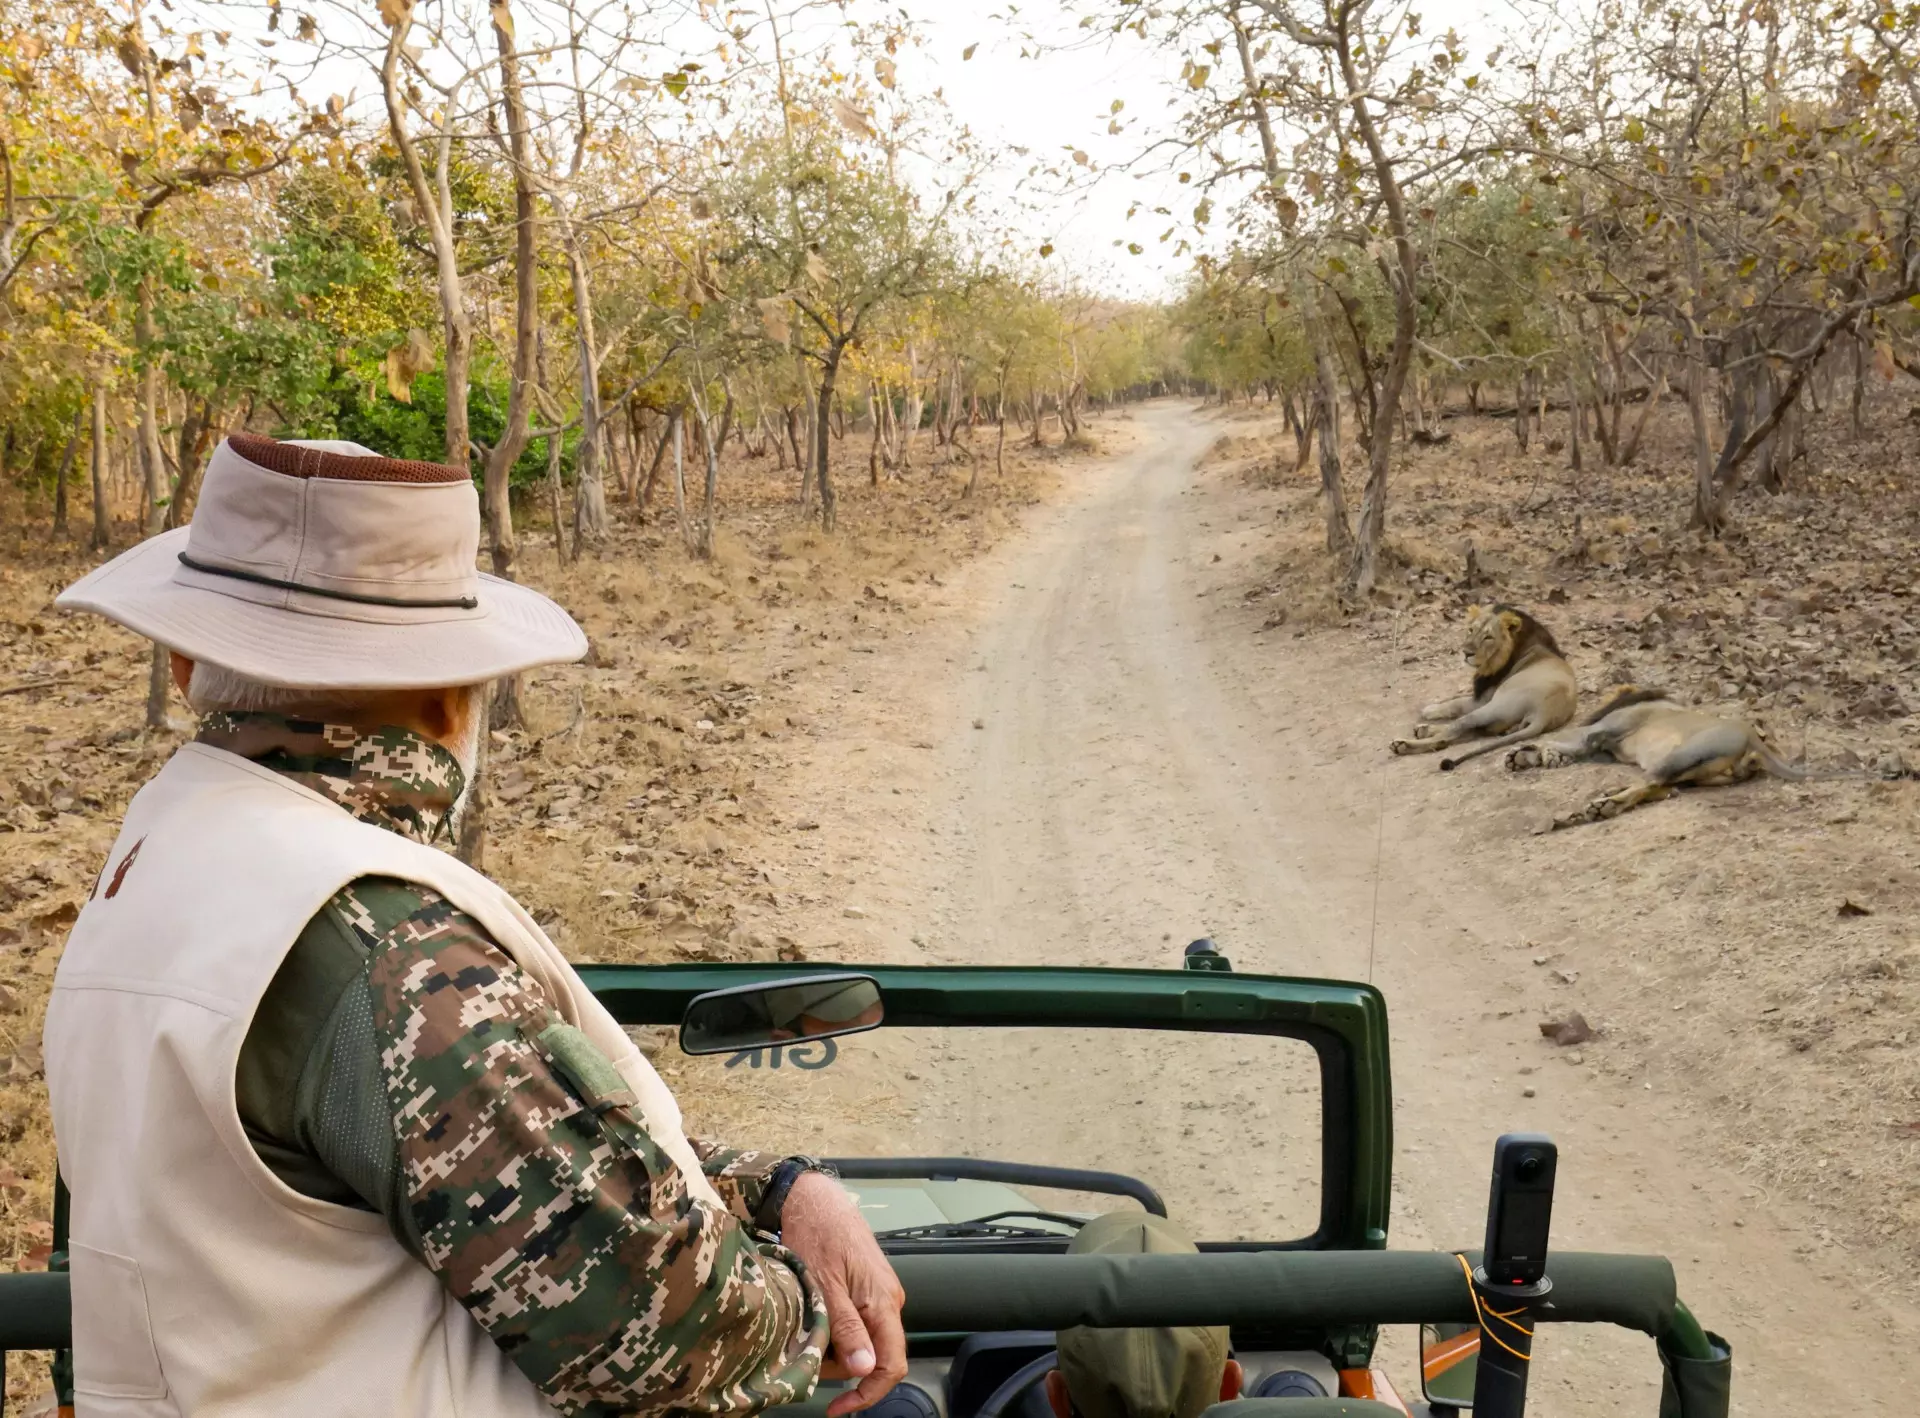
(816, 268)
(307, 30)
(1195, 74)
(30, 47)
(406, 360)
(1636, 131)
(851, 118)
(885, 70)
(967, 53)
(1080, 157)
(773, 319)
(1046, 249)
(502, 18)
(394, 13)
(1883, 363)
(1287, 210)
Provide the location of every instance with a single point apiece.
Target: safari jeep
(981, 1115)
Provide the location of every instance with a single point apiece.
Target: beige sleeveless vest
(202, 1285)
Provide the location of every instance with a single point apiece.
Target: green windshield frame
(1344, 1023)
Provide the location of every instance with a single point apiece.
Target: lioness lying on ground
(1674, 745)
(1522, 688)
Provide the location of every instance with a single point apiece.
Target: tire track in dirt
(1143, 771)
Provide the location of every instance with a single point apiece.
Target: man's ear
(1057, 1398)
(444, 713)
(1233, 1378)
(181, 668)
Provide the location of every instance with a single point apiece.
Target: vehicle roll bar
(1317, 1289)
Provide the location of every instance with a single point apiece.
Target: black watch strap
(773, 1200)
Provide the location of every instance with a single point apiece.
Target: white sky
(1055, 103)
(1051, 102)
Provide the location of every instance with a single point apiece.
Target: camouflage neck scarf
(392, 777)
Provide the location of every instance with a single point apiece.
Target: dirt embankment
(631, 813)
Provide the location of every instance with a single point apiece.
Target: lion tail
(1778, 767)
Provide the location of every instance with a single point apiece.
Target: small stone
(1576, 1057)
(1527, 1092)
(979, 723)
(854, 913)
(1526, 1069)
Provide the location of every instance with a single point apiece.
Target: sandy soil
(1091, 752)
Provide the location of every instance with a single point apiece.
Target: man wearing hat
(345, 1134)
(1139, 1373)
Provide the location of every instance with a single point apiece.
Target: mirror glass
(780, 1012)
(1449, 1359)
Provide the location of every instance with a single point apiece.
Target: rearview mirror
(780, 1012)
(1449, 1362)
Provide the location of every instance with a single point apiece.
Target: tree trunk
(496, 484)
(873, 452)
(152, 468)
(589, 484)
(1333, 490)
(1631, 448)
(1373, 505)
(456, 329)
(556, 501)
(102, 522)
(1521, 431)
(680, 487)
(659, 457)
(1856, 424)
(1574, 421)
(830, 371)
(60, 478)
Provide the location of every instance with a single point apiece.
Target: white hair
(214, 687)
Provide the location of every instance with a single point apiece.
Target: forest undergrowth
(1756, 948)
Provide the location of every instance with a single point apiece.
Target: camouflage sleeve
(549, 1212)
(738, 1174)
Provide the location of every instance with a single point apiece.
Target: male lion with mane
(1523, 687)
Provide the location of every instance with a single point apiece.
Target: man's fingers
(882, 1322)
(851, 1345)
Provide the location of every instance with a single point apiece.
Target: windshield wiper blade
(981, 1226)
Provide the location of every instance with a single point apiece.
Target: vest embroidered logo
(120, 872)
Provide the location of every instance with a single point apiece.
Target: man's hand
(820, 1223)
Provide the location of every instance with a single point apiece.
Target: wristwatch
(774, 1199)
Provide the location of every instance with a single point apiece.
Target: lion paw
(1402, 747)
(1423, 731)
(1528, 755)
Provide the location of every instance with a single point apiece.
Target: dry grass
(626, 811)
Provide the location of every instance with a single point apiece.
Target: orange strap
(1506, 1317)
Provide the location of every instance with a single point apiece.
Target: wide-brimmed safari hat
(322, 565)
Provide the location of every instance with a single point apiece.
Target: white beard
(466, 750)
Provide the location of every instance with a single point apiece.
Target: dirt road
(1091, 755)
